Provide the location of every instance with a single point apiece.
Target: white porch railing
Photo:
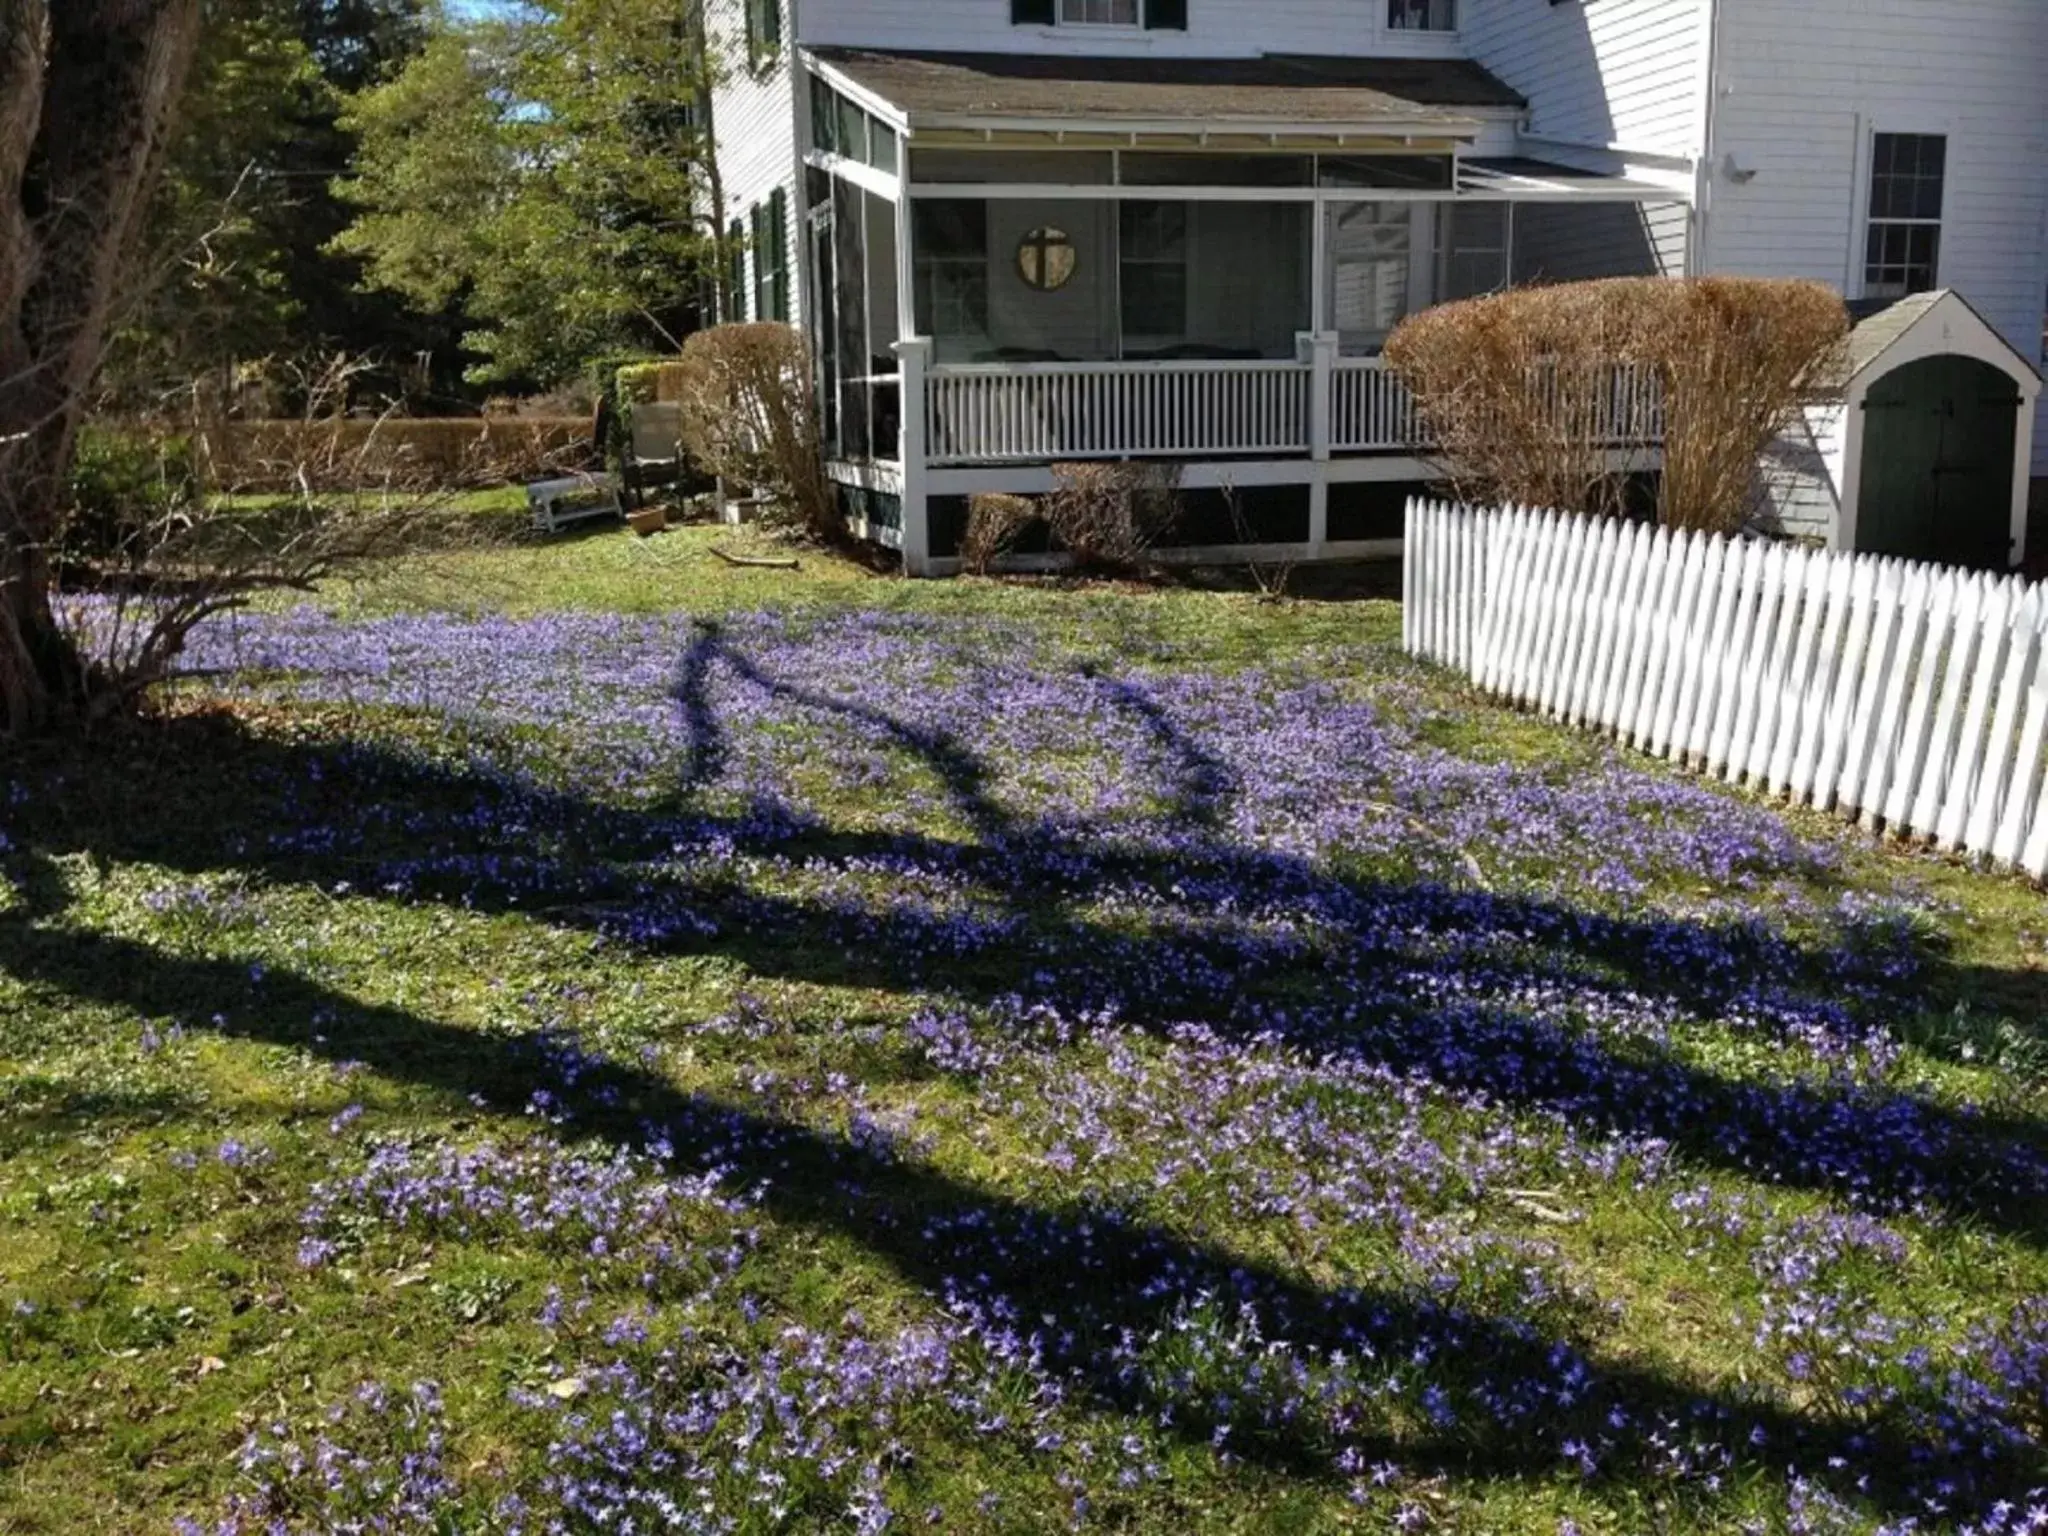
(1042, 412)
(1371, 410)
(983, 414)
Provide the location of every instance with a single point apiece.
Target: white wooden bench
(559, 504)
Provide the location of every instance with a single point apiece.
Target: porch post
(1322, 355)
(914, 357)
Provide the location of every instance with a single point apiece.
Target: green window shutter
(778, 237)
(1032, 13)
(764, 252)
(736, 272)
(1166, 15)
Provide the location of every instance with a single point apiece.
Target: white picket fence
(1914, 696)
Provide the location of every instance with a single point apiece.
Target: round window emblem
(1046, 259)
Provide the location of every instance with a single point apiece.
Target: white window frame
(1388, 23)
(1063, 15)
(1857, 284)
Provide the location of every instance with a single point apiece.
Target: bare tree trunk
(87, 88)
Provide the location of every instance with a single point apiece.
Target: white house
(1028, 231)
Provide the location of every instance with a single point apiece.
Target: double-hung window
(1099, 13)
(764, 31)
(1152, 15)
(1902, 247)
(1422, 15)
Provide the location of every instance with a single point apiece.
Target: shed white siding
(1601, 73)
(1801, 87)
(755, 118)
(1803, 473)
(1216, 29)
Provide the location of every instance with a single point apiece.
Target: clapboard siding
(1802, 86)
(1600, 72)
(1913, 696)
(1802, 474)
(754, 113)
(1216, 29)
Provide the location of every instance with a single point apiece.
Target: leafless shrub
(750, 417)
(1270, 577)
(1737, 359)
(1528, 394)
(1516, 390)
(1109, 516)
(129, 604)
(994, 521)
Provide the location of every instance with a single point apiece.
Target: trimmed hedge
(348, 453)
(652, 383)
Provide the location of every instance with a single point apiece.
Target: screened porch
(1038, 291)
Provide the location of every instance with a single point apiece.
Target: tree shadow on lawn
(1515, 1397)
(1414, 976)
(1476, 989)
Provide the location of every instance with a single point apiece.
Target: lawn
(582, 1037)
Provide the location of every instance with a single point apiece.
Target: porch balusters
(1325, 405)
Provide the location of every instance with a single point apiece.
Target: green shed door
(1938, 443)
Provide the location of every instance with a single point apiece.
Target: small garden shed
(1919, 447)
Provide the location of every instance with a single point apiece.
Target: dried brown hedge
(336, 454)
(750, 417)
(1520, 393)
(1737, 358)
(659, 383)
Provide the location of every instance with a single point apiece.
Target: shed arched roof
(1929, 325)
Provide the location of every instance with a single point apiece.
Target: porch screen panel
(1215, 280)
(1576, 242)
(1373, 270)
(850, 306)
(1052, 281)
(949, 269)
(1016, 280)
(885, 412)
(1472, 250)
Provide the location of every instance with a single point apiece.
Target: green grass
(170, 1317)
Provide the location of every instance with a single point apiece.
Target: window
(951, 257)
(1902, 250)
(1153, 275)
(771, 258)
(824, 116)
(1422, 15)
(764, 30)
(1046, 259)
(1099, 13)
(1153, 15)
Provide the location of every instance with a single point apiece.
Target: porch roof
(1523, 180)
(1273, 94)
